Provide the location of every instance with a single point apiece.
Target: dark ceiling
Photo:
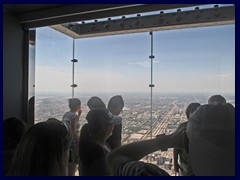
(26, 8)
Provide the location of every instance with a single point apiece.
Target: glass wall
(190, 65)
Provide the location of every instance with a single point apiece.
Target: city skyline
(186, 60)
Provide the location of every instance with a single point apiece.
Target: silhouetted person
(216, 99)
(71, 119)
(92, 142)
(13, 130)
(115, 106)
(211, 134)
(209, 139)
(95, 102)
(43, 150)
(185, 167)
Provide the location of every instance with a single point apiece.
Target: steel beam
(83, 12)
(180, 19)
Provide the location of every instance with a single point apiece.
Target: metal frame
(25, 74)
(186, 19)
(82, 12)
(27, 98)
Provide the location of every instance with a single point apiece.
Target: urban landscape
(168, 111)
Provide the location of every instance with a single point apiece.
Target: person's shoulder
(69, 115)
(118, 127)
(182, 125)
(92, 148)
(65, 114)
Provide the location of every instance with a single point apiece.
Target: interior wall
(12, 66)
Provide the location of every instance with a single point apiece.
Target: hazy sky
(186, 60)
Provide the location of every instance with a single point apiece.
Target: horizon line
(130, 92)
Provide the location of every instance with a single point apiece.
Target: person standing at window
(71, 120)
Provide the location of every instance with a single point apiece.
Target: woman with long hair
(43, 150)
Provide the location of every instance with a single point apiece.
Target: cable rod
(151, 85)
(73, 69)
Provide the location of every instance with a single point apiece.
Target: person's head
(74, 104)
(216, 99)
(116, 104)
(101, 122)
(13, 130)
(211, 135)
(95, 102)
(43, 150)
(191, 109)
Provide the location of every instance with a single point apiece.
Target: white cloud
(145, 64)
(59, 80)
(105, 80)
(224, 75)
(52, 79)
(195, 83)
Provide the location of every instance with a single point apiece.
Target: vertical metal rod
(151, 34)
(73, 69)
